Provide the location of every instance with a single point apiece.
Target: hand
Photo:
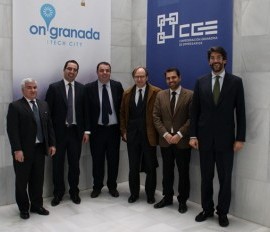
(18, 156)
(194, 143)
(85, 138)
(175, 139)
(237, 146)
(124, 137)
(52, 150)
(168, 138)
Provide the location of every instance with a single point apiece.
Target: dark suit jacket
(124, 115)
(22, 127)
(57, 101)
(180, 120)
(214, 125)
(93, 104)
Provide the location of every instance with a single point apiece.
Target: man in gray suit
(171, 119)
(218, 98)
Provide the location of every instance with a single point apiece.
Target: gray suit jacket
(179, 121)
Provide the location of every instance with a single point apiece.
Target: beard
(217, 67)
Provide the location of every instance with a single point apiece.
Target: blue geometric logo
(47, 12)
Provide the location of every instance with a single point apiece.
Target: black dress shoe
(182, 208)
(151, 200)
(164, 202)
(202, 216)
(223, 220)
(24, 214)
(95, 193)
(132, 199)
(75, 199)
(114, 192)
(56, 201)
(40, 210)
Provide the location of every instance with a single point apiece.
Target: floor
(108, 214)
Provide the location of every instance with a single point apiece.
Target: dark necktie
(106, 106)
(140, 100)
(216, 89)
(70, 105)
(172, 104)
(37, 119)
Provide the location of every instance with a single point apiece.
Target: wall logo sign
(57, 35)
(189, 34)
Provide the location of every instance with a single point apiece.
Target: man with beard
(171, 119)
(218, 104)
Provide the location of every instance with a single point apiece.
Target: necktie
(106, 106)
(216, 89)
(37, 119)
(70, 105)
(140, 100)
(172, 104)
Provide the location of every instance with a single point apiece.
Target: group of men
(211, 119)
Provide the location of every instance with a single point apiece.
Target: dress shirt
(221, 79)
(137, 94)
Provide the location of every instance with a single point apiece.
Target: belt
(71, 125)
(107, 126)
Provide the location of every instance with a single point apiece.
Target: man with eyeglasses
(137, 129)
(66, 101)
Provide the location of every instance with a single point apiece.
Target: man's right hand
(194, 143)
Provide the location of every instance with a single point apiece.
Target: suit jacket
(214, 125)
(124, 112)
(22, 127)
(93, 104)
(179, 121)
(57, 100)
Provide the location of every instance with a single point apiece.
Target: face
(172, 80)
(70, 72)
(104, 73)
(30, 90)
(216, 62)
(140, 78)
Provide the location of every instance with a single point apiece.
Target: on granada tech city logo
(196, 31)
(48, 13)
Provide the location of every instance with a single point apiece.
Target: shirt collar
(222, 75)
(177, 91)
(143, 88)
(66, 82)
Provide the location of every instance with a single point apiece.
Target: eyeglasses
(70, 69)
(139, 77)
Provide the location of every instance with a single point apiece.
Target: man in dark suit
(218, 100)
(137, 129)
(31, 136)
(66, 101)
(171, 119)
(103, 100)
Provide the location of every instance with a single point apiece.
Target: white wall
(251, 56)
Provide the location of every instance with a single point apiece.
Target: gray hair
(27, 80)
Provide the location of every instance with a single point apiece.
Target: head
(29, 88)
(140, 76)
(173, 78)
(104, 72)
(71, 69)
(217, 58)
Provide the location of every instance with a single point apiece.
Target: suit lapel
(167, 101)
(62, 90)
(225, 87)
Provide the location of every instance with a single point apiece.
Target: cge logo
(167, 28)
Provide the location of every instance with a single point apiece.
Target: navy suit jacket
(57, 101)
(22, 127)
(93, 104)
(218, 126)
